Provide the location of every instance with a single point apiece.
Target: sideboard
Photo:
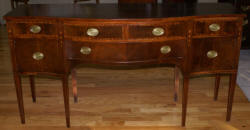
(200, 38)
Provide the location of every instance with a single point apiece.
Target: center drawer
(100, 52)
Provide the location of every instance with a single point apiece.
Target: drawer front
(175, 29)
(39, 55)
(215, 27)
(210, 54)
(125, 52)
(98, 52)
(155, 51)
(98, 32)
(34, 28)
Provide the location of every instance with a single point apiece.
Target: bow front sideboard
(200, 38)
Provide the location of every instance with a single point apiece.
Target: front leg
(19, 94)
(184, 99)
(232, 84)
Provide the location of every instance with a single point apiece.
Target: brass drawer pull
(212, 54)
(245, 8)
(38, 56)
(158, 31)
(35, 29)
(85, 50)
(92, 32)
(245, 22)
(214, 27)
(165, 49)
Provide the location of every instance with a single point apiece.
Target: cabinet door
(213, 54)
(39, 55)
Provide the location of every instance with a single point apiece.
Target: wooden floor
(137, 99)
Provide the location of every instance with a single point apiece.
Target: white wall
(6, 7)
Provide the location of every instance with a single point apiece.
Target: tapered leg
(216, 88)
(184, 99)
(176, 83)
(32, 87)
(19, 94)
(66, 99)
(74, 85)
(232, 84)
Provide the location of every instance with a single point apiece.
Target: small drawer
(97, 32)
(174, 49)
(175, 29)
(215, 27)
(96, 52)
(35, 28)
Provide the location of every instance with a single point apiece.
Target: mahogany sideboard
(199, 38)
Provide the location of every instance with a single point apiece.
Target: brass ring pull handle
(245, 8)
(212, 54)
(38, 56)
(85, 50)
(158, 31)
(244, 38)
(92, 32)
(214, 27)
(35, 29)
(245, 22)
(165, 49)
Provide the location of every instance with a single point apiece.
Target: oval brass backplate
(158, 31)
(212, 54)
(92, 32)
(165, 49)
(214, 27)
(35, 29)
(38, 56)
(85, 50)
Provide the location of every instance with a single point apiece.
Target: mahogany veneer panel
(52, 50)
(227, 27)
(108, 31)
(226, 59)
(24, 28)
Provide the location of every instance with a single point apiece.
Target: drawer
(93, 32)
(215, 27)
(39, 55)
(174, 29)
(210, 54)
(96, 52)
(35, 28)
(174, 49)
(125, 52)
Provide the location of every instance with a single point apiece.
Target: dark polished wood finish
(197, 38)
(76, 1)
(136, 1)
(32, 87)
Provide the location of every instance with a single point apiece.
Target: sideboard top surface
(123, 11)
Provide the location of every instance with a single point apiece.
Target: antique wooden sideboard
(201, 38)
